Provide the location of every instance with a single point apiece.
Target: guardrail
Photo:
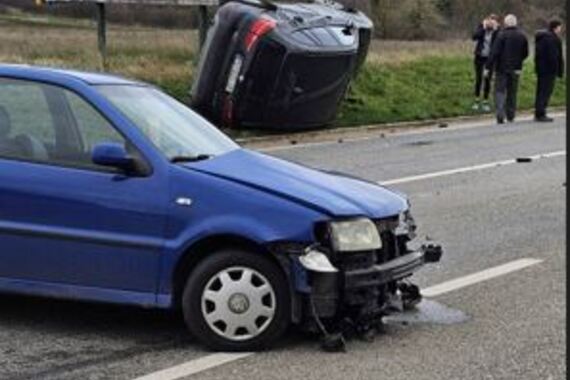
(202, 6)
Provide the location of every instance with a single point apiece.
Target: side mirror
(113, 155)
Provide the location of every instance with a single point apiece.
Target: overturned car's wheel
(236, 301)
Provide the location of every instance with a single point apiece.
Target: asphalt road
(509, 327)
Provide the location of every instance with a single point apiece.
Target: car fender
(219, 207)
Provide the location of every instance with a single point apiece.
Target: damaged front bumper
(340, 292)
(393, 270)
(331, 288)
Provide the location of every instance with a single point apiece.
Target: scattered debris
(443, 125)
(333, 343)
(524, 159)
(420, 143)
(293, 142)
(340, 141)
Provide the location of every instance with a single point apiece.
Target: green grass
(426, 88)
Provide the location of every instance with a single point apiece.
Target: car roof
(40, 72)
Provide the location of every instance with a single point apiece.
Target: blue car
(112, 191)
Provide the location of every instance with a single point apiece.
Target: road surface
(496, 305)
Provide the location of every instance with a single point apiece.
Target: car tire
(236, 301)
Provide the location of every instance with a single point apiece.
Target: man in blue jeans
(507, 56)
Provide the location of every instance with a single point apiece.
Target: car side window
(27, 128)
(92, 127)
(49, 124)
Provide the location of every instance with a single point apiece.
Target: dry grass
(151, 53)
(161, 56)
(395, 52)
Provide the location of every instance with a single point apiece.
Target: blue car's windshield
(178, 132)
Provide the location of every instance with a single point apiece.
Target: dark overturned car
(281, 66)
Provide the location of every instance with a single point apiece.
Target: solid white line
(194, 366)
(214, 360)
(466, 169)
(478, 277)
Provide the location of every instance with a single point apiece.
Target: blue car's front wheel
(236, 301)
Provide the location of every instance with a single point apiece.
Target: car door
(66, 225)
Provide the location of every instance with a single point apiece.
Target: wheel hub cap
(238, 303)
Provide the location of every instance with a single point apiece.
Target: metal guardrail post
(203, 24)
(102, 33)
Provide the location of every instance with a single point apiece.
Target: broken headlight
(354, 235)
(406, 225)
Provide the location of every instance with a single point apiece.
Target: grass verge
(426, 88)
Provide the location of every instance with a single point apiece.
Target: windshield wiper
(198, 157)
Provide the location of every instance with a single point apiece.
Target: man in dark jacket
(484, 36)
(507, 56)
(549, 64)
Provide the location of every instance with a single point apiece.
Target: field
(401, 81)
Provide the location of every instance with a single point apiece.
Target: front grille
(358, 260)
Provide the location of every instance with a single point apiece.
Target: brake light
(258, 29)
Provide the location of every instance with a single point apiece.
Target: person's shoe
(476, 106)
(511, 119)
(543, 119)
(485, 107)
(500, 120)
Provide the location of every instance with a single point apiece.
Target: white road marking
(194, 366)
(215, 360)
(478, 277)
(467, 169)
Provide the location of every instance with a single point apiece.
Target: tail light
(258, 29)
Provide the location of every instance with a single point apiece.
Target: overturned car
(283, 66)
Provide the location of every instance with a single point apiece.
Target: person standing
(484, 36)
(549, 64)
(507, 56)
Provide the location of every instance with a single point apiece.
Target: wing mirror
(113, 155)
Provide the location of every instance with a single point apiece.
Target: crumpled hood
(331, 194)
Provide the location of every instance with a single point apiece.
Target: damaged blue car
(112, 191)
